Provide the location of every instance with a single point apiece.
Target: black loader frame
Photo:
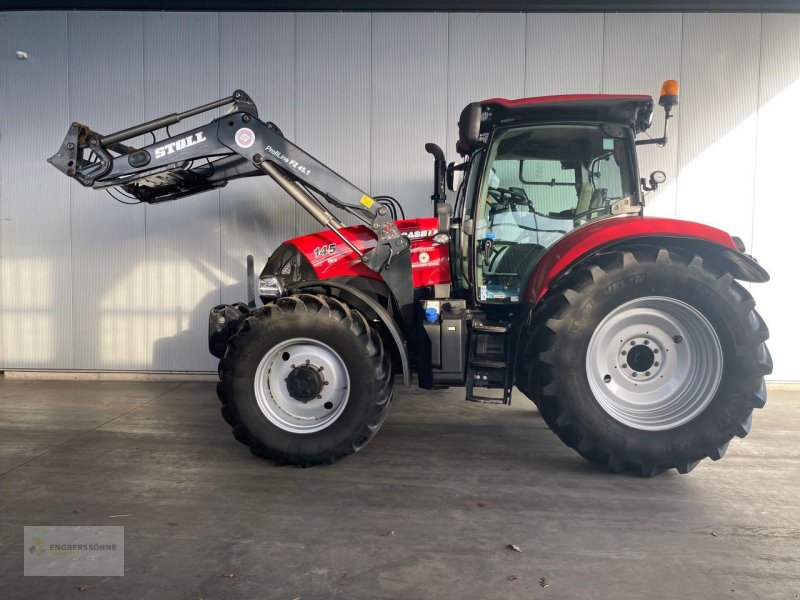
(235, 145)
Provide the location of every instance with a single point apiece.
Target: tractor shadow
(187, 347)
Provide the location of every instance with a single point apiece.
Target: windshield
(541, 182)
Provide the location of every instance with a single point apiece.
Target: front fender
(380, 312)
(612, 231)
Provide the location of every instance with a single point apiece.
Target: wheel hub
(640, 358)
(305, 382)
(654, 363)
(302, 385)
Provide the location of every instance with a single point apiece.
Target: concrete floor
(455, 482)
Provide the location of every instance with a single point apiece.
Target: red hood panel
(330, 257)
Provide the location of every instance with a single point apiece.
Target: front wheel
(305, 380)
(647, 359)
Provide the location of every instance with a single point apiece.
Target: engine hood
(329, 257)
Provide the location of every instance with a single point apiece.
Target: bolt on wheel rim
(279, 371)
(654, 363)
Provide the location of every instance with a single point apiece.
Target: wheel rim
(302, 385)
(654, 363)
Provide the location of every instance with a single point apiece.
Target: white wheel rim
(272, 387)
(654, 363)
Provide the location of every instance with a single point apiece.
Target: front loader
(633, 335)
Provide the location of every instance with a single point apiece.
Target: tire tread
(365, 335)
(549, 324)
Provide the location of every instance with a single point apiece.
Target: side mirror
(451, 169)
(469, 128)
(656, 179)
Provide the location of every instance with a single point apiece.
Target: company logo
(422, 233)
(180, 144)
(424, 257)
(79, 550)
(38, 547)
(245, 137)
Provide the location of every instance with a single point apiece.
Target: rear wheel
(647, 359)
(305, 381)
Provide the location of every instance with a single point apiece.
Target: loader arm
(236, 145)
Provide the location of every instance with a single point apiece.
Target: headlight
(270, 287)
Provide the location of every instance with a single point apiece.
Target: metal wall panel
(777, 210)
(486, 60)
(181, 70)
(638, 64)
(36, 277)
(5, 60)
(409, 105)
(108, 238)
(719, 102)
(564, 54)
(95, 285)
(333, 70)
(256, 215)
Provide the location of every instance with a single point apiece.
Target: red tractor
(631, 334)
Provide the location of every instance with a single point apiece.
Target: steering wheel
(505, 197)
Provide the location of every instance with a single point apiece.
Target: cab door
(463, 231)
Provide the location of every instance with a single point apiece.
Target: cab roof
(635, 110)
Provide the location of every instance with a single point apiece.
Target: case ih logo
(245, 137)
(423, 233)
(180, 144)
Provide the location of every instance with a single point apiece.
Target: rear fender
(709, 242)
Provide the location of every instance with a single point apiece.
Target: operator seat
(584, 198)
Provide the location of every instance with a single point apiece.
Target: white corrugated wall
(87, 283)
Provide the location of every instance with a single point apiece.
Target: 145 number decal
(326, 250)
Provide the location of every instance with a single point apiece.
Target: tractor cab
(534, 170)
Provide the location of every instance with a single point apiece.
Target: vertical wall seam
(294, 108)
(603, 56)
(148, 353)
(3, 102)
(678, 153)
(525, 58)
(219, 192)
(371, 99)
(755, 145)
(447, 82)
(69, 188)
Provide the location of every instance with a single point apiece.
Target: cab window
(539, 183)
